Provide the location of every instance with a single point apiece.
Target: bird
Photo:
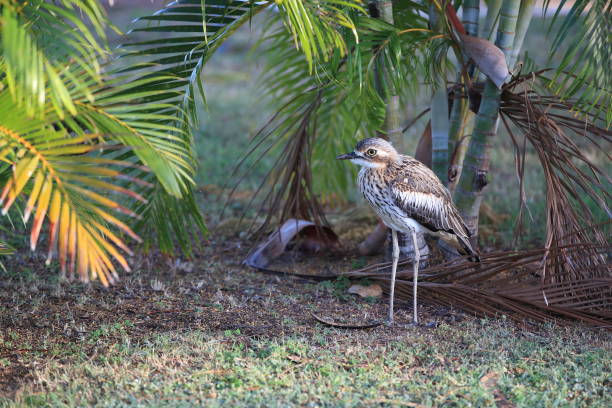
(409, 198)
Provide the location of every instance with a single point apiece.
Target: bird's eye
(371, 152)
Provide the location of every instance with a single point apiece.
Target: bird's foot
(430, 325)
(393, 324)
(411, 325)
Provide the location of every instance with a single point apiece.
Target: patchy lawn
(214, 333)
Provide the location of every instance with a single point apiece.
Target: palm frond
(319, 116)
(93, 144)
(510, 283)
(169, 221)
(572, 178)
(162, 79)
(315, 26)
(185, 34)
(69, 181)
(316, 118)
(45, 58)
(582, 38)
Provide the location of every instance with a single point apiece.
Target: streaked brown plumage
(408, 196)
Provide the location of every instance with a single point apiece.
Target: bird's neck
(381, 171)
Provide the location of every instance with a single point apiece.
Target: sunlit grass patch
(470, 365)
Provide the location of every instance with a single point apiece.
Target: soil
(212, 292)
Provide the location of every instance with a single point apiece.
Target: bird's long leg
(393, 273)
(415, 275)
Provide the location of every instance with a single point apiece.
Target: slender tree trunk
(460, 114)
(460, 117)
(492, 19)
(470, 16)
(469, 191)
(438, 124)
(439, 134)
(490, 25)
(522, 25)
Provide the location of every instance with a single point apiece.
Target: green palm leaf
(582, 38)
(45, 58)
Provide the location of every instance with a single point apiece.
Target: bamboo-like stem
(439, 116)
(469, 191)
(470, 16)
(393, 127)
(460, 118)
(465, 124)
(490, 25)
(522, 25)
(492, 19)
(439, 134)
(385, 7)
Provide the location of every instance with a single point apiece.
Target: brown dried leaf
(373, 290)
(489, 381)
(489, 59)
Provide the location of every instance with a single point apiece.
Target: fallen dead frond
(561, 141)
(510, 283)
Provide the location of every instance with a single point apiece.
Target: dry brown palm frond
(509, 283)
(560, 139)
(287, 189)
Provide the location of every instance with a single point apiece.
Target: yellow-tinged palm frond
(72, 182)
(111, 126)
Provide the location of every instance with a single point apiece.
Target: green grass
(466, 366)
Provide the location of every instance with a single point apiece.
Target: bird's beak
(347, 156)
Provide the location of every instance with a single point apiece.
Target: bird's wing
(421, 195)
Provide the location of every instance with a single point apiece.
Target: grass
(210, 332)
(455, 367)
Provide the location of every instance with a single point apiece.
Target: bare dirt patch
(45, 319)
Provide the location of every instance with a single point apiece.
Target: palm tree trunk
(439, 134)
(522, 25)
(470, 16)
(490, 25)
(492, 19)
(393, 128)
(460, 114)
(469, 191)
(439, 123)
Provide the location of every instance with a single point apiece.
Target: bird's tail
(462, 244)
(466, 248)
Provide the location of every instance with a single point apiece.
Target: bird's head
(373, 152)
